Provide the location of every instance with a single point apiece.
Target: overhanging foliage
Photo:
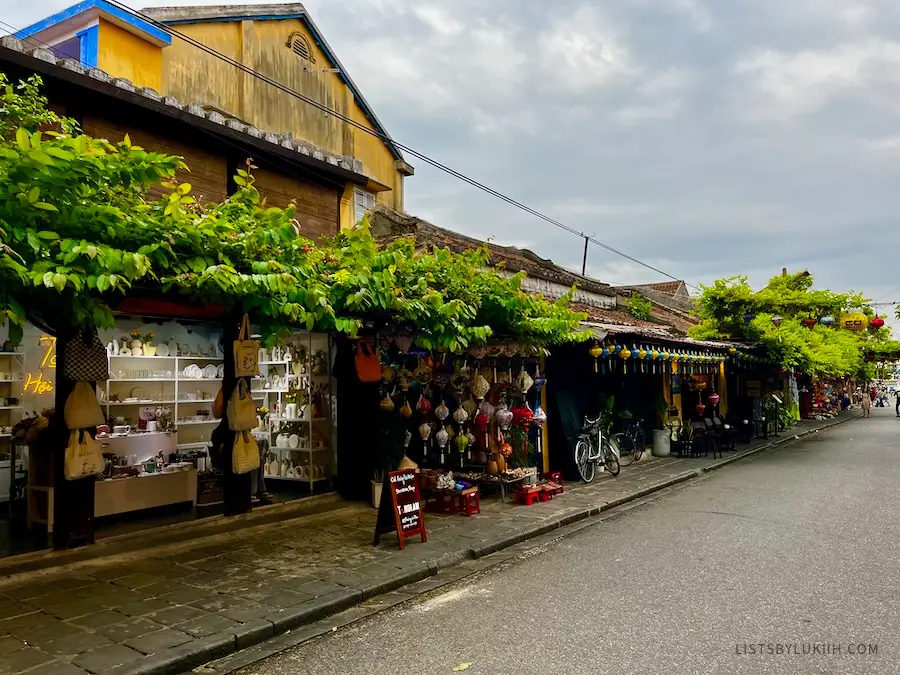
(76, 231)
(820, 350)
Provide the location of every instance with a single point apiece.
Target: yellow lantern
(654, 355)
(625, 353)
(595, 351)
(855, 321)
(666, 356)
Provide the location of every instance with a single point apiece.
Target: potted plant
(662, 432)
(390, 450)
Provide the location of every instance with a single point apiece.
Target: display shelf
(130, 356)
(191, 424)
(9, 381)
(5, 436)
(274, 363)
(197, 379)
(280, 448)
(270, 391)
(197, 358)
(196, 444)
(10, 407)
(142, 379)
(295, 478)
(143, 402)
(300, 419)
(191, 400)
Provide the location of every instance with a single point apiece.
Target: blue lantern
(827, 320)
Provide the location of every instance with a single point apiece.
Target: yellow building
(279, 41)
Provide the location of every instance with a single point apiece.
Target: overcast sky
(708, 138)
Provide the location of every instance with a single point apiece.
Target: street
(782, 563)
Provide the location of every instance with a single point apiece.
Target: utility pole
(584, 257)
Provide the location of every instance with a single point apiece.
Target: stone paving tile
(207, 625)
(24, 659)
(128, 629)
(158, 641)
(144, 607)
(59, 668)
(75, 644)
(175, 615)
(100, 619)
(106, 658)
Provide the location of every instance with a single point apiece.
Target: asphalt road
(796, 547)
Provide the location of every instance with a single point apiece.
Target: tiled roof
(389, 224)
(668, 287)
(44, 61)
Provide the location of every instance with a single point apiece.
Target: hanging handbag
(86, 359)
(245, 456)
(83, 458)
(241, 409)
(246, 352)
(82, 408)
(368, 369)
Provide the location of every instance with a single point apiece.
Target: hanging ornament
(387, 403)
(442, 411)
(481, 425)
(596, 351)
(524, 381)
(701, 409)
(625, 354)
(809, 322)
(405, 409)
(460, 415)
(714, 398)
(522, 416)
(506, 450)
(480, 387)
(855, 321)
(827, 321)
(876, 322)
(424, 405)
(504, 417)
(539, 380)
(442, 437)
(642, 357)
(776, 321)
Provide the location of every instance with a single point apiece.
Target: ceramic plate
(294, 441)
(210, 372)
(220, 371)
(162, 349)
(186, 371)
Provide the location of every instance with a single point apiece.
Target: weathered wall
(190, 75)
(317, 206)
(123, 54)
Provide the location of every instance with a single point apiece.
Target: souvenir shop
(160, 412)
(472, 423)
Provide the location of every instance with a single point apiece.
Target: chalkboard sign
(401, 507)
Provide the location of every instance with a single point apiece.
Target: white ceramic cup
(290, 410)
(151, 425)
(122, 429)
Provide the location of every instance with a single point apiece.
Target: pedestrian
(866, 404)
(897, 402)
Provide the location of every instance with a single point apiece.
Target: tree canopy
(773, 317)
(77, 230)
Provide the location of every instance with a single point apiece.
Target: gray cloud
(708, 138)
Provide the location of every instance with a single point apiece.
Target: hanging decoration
(596, 351)
(809, 322)
(625, 354)
(827, 320)
(876, 322)
(855, 321)
(776, 321)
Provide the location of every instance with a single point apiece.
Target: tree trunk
(236, 487)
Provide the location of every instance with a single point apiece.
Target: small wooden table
(503, 483)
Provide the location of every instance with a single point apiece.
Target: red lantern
(714, 398)
(809, 323)
(701, 408)
(877, 322)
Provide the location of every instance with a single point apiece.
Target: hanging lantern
(625, 354)
(877, 322)
(747, 319)
(809, 322)
(540, 380)
(827, 321)
(732, 350)
(714, 398)
(701, 409)
(776, 321)
(596, 351)
(855, 321)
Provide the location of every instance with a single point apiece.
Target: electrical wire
(387, 139)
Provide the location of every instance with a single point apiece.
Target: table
(121, 495)
(503, 483)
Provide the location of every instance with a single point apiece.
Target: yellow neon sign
(36, 384)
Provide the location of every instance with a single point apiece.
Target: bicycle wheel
(610, 460)
(640, 444)
(627, 452)
(583, 461)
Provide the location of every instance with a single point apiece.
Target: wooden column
(236, 487)
(73, 510)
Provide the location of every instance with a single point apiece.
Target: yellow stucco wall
(192, 76)
(124, 54)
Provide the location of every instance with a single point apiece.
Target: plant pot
(376, 493)
(149, 350)
(662, 442)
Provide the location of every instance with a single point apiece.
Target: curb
(311, 623)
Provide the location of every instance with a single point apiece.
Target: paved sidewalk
(169, 610)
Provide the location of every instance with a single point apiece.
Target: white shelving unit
(310, 465)
(11, 387)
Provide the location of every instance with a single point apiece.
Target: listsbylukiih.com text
(806, 649)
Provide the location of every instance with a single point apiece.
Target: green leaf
(44, 206)
(42, 157)
(33, 194)
(459, 667)
(23, 139)
(46, 234)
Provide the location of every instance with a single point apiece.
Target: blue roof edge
(70, 12)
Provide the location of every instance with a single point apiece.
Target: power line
(414, 153)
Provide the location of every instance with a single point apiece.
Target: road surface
(788, 562)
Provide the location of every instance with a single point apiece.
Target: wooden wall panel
(208, 174)
(318, 208)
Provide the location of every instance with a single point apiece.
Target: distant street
(795, 550)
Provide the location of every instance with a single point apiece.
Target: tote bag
(246, 352)
(85, 358)
(241, 409)
(82, 408)
(245, 456)
(83, 457)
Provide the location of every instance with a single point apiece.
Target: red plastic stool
(468, 501)
(528, 495)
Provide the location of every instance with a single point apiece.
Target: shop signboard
(400, 508)
(754, 388)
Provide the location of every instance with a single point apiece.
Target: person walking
(866, 404)
(897, 402)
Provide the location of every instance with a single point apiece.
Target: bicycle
(631, 442)
(594, 446)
